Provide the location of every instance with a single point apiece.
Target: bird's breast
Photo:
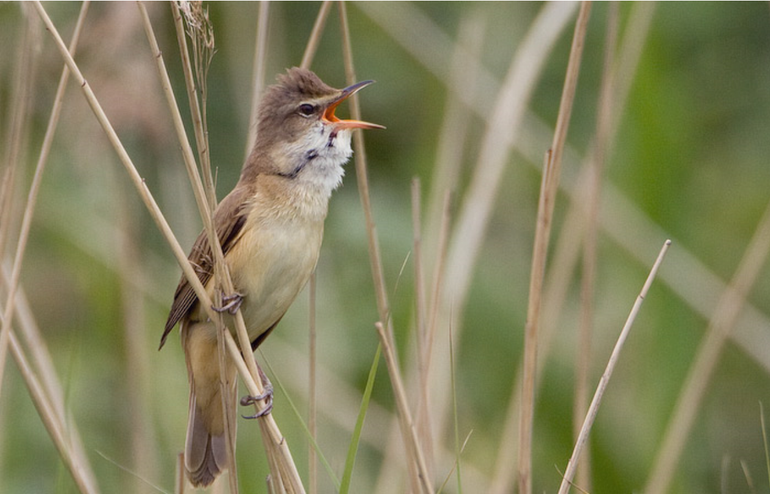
(270, 264)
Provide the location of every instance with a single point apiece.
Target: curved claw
(231, 303)
(251, 400)
(261, 413)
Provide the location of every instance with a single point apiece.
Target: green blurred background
(689, 162)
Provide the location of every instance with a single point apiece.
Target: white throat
(319, 157)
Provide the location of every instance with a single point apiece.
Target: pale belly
(273, 266)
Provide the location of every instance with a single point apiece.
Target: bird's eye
(306, 109)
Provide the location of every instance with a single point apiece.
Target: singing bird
(270, 227)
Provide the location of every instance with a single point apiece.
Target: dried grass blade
(20, 100)
(315, 34)
(53, 423)
(595, 165)
(721, 324)
(258, 79)
(548, 191)
(594, 408)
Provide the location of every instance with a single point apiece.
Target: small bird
(270, 227)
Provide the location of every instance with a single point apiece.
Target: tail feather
(205, 454)
(206, 449)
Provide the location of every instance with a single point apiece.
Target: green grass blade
(305, 428)
(356, 439)
(764, 438)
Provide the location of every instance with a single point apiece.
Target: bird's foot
(230, 303)
(251, 400)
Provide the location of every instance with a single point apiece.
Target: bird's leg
(230, 303)
(267, 396)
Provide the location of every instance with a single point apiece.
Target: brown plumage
(270, 227)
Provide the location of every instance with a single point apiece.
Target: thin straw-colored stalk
(18, 127)
(267, 424)
(415, 459)
(423, 420)
(205, 196)
(566, 255)
(51, 420)
(125, 160)
(449, 158)
(764, 440)
(258, 79)
(312, 462)
(362, 178)
(19, 103)
(197, 108)
(199, 30)
(455, 125)
(548, 191)
(596, 171)
(721, 324)
(600, 389)
(45, 372)
(78, 460)
(315, 35)
(143, 445)
(411, 442)
(285, 475)
(565, 259)
(503, 126)
(307, 60)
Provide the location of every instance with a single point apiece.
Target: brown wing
(229, 219)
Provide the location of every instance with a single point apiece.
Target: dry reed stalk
(473, 218)
(595, 164)
(408, 432)
(455, 125)
(143, 445)
(194, 23)
(307, 60)
(600, 389)
(254, 386)
(721, 324)
(204, 195)
(502, 125)
(566, 254)
(315, 35)
(258, 79)
(375, 260)
(201, 35)
(44, 371)
(47, 394)
(312, 385)
(449, 158)
(548, 191)
(419, 478)
(16, 137)
(559, 276)
(285, 475)
(423, 419)
(18, 128)
(53, 423)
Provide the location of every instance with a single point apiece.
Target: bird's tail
(205, 454)
(206, 450)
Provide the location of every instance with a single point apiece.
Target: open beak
(329, 117)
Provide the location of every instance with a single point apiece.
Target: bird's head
(299, 132)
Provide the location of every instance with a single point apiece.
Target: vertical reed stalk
(596, 171)
(721, 324)
(594, 408)
(548, 191)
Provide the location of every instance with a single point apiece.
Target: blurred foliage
(691, 153)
